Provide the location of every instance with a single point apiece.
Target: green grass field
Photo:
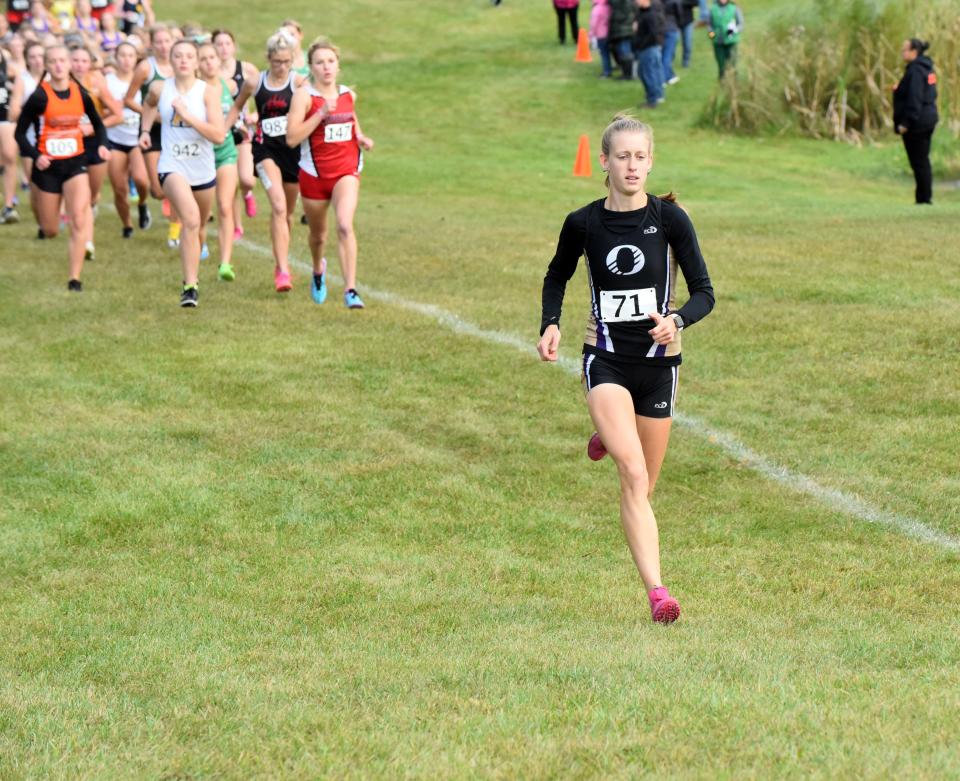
(266, 539)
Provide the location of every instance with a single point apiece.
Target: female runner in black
(634, 244)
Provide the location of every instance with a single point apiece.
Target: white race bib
(131, 119)
(274, 126)
(186, 151)
(622, 306)
(59, 148)
(333, 134)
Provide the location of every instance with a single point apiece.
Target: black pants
(561, 26)
(918, 153)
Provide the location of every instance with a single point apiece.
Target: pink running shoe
(250, 204)
(663, 608)
(595, 448)
(237, 234)
(282, 281)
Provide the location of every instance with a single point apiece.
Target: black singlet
(272, 104)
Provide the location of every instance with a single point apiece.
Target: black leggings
(918, 153)
(561, 26)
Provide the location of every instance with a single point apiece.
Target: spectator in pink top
(600, 32)
(567, 8)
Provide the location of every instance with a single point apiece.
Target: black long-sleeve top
(34, 109)
(915, 97)
(651, 25)
(629, 251)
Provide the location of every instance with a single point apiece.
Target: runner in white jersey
(126, 160)
(191, 122)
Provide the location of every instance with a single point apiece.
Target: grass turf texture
(270, 539)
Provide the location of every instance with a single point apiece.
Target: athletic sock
(317, 280)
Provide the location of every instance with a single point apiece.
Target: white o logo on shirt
(625, 259)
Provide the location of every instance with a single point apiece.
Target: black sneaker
(145, 219)
(40, 233)
(75, 286)
(127, 233)
(190, 296)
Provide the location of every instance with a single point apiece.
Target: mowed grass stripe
(831, 497)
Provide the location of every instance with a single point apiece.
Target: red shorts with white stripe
(319, 188)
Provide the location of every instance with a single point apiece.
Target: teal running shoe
(318, 286)
(352, 299)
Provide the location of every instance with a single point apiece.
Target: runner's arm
(99, 131)
(561, 268)
(32, 110)
(140, 74)
(113, 106)
(150, 112)
(246, 90)
(299, 125)
(16, 96)
(682, 239)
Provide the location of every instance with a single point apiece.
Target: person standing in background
(600, 31)
(672, 14)
(620, 33)
(915, 113)
(726, 22)
(686, 29)
(567, 9)
(648, 48)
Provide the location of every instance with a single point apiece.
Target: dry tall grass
(828, 72)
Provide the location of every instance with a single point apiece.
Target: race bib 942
(621, 306)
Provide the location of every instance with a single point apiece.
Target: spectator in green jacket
(726, 22)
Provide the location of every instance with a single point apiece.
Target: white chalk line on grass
(831, 497)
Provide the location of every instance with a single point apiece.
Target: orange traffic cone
(582, 165)
(583, 47)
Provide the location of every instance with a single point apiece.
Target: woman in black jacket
(915, 113)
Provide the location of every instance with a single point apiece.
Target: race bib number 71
(621, 306)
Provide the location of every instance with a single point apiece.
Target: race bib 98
(60, 148)
(333, 134)
(274, 126)
(621, 306)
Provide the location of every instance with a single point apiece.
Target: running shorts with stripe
(653, 388)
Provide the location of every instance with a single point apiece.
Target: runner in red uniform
(323, 122)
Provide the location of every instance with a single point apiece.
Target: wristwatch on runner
(678, 321)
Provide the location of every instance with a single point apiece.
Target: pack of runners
(171, 113)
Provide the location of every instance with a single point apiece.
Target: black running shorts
(653, 388)
(51, 180)
(287, 160)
